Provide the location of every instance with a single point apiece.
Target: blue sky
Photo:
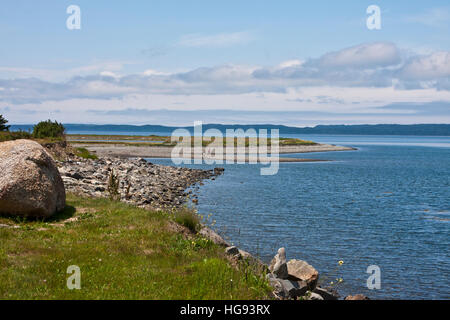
(250, 60)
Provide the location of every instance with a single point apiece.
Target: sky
(175, 62)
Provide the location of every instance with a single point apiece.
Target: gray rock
(301, 270)
(314, 296)
(232, 251)
(278, 265)
(294, 289)
(30, 183)
(213, 236)
(325, 294)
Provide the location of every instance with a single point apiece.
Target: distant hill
(378, 129)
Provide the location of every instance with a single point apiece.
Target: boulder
(357, 297)
(232, 251)
(278, 290)
(30, 183)
(315, 296)
(278, 265)
(301, 270)
(325, 294)
(294, 289)
(210, 234)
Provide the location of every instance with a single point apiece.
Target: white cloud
(371, 55)
(376, 65)
(430, 67)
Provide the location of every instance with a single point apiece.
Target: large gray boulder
(30, 183)
(301, 270)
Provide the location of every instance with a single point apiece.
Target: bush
(3, 122)
(189, 218)
(14, 135)
(48, 129)
(113, 186)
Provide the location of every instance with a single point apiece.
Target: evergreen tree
(3, 122)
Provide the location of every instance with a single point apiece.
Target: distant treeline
(378, 129)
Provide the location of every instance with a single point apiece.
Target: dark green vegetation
(14, 135)
(48, 129)
(85, 153)
(123, 253)
(3, 122)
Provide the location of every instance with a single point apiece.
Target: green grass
(187, 217)
(123, 253)
(84, 153)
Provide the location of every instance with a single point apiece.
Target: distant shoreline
(356, 129)
(129, 151)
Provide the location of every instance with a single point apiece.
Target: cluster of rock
(141, 183)
(30, 184)
(296, 279)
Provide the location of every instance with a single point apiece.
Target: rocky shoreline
(140, 182)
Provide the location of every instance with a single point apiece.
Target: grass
(123, 253)
(188, 218)
(84, 153)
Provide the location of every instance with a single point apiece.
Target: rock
(213, 236)
(301, 270)
(325, 294)
(314, 296)
(357, 297)
(294, 289)
(232, 251)
(278, 289)
(278, 264)
(30, 183)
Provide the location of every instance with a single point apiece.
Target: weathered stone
(301, 270)
(278, 264)
(213, 236)
(294, 289)
(30, 183)
(278, 289)
(232, 251)
(314, 296)
(357, 297)
(140, 182)
(325, 294)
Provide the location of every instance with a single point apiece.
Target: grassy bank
(123, 253)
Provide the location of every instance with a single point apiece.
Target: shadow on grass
(66, 213)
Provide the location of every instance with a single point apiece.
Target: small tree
(48, 129)
(3, 122)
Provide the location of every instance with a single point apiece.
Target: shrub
(3, 122)
(14, 135)
(189, 218)
(113, 186)
(48, 129)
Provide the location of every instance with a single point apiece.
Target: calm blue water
(387, 204)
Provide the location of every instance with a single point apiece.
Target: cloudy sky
(175, 62)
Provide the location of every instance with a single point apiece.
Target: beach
(145, 151)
